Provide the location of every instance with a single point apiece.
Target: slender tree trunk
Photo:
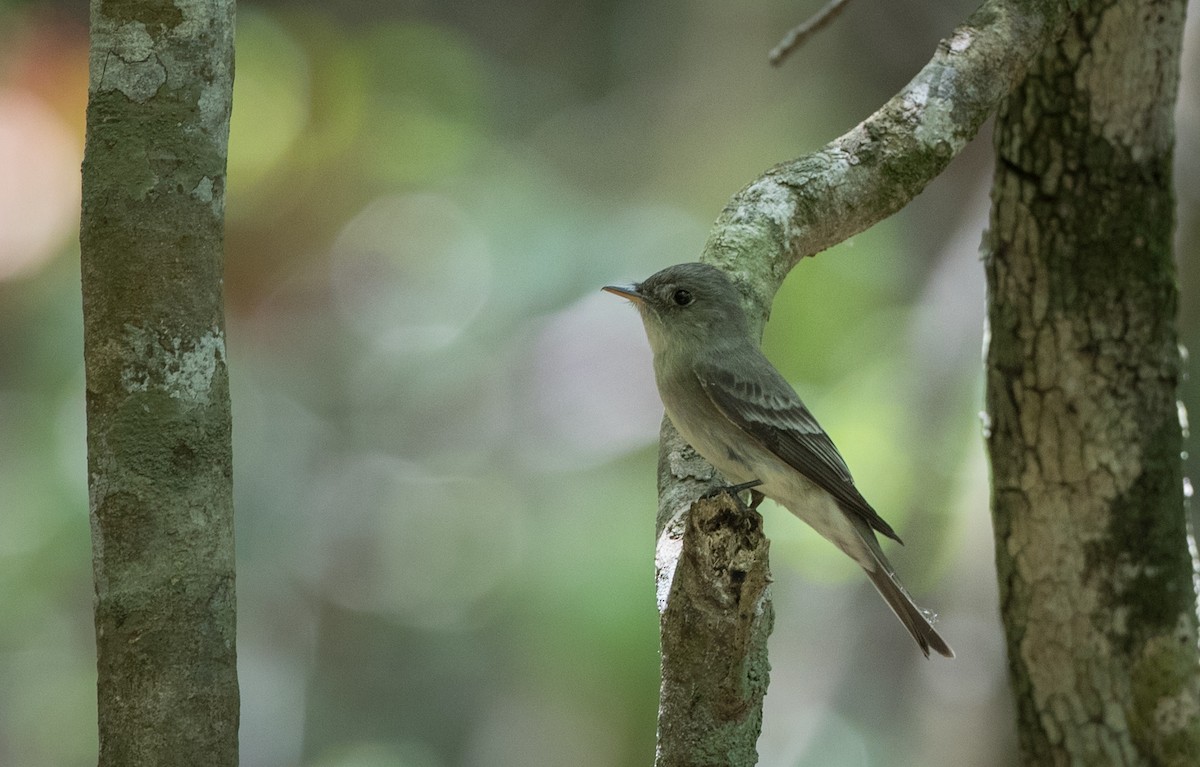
(1082, 370)
(159, 447)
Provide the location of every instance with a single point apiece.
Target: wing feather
(773, 414)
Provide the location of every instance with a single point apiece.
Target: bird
(738, 412)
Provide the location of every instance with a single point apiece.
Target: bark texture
(159, 434)
(1082, 369)
(715, 610)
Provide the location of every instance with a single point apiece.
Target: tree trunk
(158, 411)
(1083, 365)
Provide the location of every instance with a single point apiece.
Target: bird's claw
(755, 499)
(737, 490)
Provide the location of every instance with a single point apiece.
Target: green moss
(1148, 527)
(1165, 721)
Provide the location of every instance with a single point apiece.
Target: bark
(713, 630)
(1083, 368)
(713, 598)
(159, 439)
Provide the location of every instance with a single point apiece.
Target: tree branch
(799, 34)
(804, 206)
(798, 209)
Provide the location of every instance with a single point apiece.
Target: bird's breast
(717, 439)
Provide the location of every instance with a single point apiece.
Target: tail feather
(913, 618)
(883, 577)
(863, 547)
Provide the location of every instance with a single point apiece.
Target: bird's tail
(914, 618)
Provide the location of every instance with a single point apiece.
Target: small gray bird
(732, 405)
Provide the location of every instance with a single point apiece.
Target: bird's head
(687, 303)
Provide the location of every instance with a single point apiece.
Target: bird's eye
(682, 297)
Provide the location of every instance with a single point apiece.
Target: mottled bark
(159, 446)
(1082, 371)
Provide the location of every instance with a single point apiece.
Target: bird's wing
(779, 421)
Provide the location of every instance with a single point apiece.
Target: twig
(796, 37)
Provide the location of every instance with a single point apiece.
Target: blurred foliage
(444, 435)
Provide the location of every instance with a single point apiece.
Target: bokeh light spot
(270, 97)
(396, 540)
(590, 393)
(411, 272)
(39, 183)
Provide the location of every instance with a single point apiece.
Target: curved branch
(804, 206)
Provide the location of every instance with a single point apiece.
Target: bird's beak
(625, 291)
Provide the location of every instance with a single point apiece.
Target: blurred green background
(445, 435)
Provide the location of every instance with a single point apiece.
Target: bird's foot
(745, 519)
(737, 490)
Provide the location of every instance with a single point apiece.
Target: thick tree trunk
(1082, 370)
(159, 446)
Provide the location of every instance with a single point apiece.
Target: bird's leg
(737, 490)
(747, 519)
(755, 499)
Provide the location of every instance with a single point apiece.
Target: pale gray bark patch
(1133, 36)
(182, 371)
(126, 61)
